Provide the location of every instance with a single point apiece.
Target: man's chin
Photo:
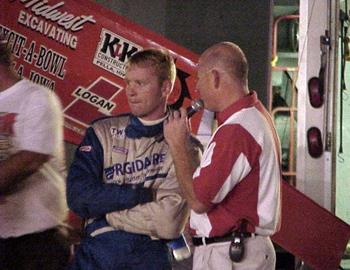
(137, 113)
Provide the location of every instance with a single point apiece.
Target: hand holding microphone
(195, 106)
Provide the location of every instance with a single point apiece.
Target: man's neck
(152, 122)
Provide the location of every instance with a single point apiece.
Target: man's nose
(130, 90)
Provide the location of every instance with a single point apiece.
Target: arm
(87, 194)
(176, 132)
(164, 218)
(37, 128)
(15, 169)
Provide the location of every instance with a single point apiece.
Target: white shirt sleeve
(40, 123)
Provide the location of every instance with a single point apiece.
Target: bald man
(234, 194)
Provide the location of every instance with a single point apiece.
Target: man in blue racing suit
(122, 180)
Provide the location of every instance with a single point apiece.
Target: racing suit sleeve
(87, 194)
(164, 218)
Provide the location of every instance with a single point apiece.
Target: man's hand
(177, 130)
(145, 195)
(177, 135)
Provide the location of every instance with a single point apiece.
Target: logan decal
(87, 99)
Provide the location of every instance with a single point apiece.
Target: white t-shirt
(31, 119)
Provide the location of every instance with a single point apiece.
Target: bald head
(229, 57)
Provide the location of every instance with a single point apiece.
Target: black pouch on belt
(236, 250)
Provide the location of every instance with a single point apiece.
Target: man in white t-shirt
(32, 173)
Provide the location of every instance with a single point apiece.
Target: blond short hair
(159, 59)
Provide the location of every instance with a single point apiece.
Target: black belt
(198, 241)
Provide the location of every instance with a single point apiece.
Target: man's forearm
(186, 162)
(178, 137)
(17, 168)
(163, 218)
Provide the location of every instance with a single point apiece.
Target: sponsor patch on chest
(118, 133)
(120, 150)
(141, 165)
(85, 148)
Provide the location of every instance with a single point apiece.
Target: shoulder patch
(85, 148)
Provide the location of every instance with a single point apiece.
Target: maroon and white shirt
(239, 175)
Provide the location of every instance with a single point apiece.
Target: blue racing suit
(122, 182)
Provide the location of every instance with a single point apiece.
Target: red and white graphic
(7, 121)
(79, 49)
(96, 99)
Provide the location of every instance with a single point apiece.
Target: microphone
(195, 106)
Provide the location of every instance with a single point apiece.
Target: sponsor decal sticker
(85, 148)
(113, 52)
(117, 132)
(119, 149)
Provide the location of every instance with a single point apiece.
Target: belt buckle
(203, 241)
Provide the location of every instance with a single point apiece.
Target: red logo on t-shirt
(7, 121)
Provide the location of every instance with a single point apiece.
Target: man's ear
(166, 88)
(215, 77)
